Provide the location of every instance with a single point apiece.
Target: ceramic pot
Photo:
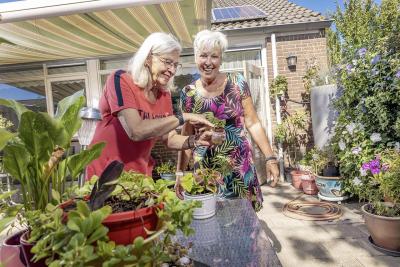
(168, 176)
(308, 185)
(208, 207)
(26, 250)
(296, 178)
(218, 135)
(329, 186)
(11, 253)
(385, 231)
(124, 227)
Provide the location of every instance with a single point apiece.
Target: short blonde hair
(209, 40)
(156, 43)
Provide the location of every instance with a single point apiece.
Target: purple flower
(397, 74)
(376, 59)
(362, 51)
(349, 68)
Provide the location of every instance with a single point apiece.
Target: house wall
(305, 46)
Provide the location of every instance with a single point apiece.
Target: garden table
(233, 237)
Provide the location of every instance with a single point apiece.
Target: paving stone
(344, 230)
(379, 261)
(348, 246)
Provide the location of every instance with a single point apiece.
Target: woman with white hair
(136, 109)
(227, 96)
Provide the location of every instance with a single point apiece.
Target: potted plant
(326, 171)
(291, 133)
(136, 201)
(37, 154)
(279, 86)
(218, 131)
(203, 185)
(382, 218)
(167, 171)
(82, 237)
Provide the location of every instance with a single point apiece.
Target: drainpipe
(277, 103)
(37, 9)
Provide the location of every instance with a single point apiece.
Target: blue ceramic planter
(329, 186)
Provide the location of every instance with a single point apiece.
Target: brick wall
(305, 47)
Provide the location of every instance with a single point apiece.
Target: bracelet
(180, 118)
(270, 158)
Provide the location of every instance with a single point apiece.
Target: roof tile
(277, 12)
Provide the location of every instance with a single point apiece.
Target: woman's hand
(272, 172)
(178, 188)
(197, 120)
(203, 137)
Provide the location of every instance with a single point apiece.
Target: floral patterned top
(242, 181)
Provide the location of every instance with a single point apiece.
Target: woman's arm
(258, 134)
(138, 129)
(184, 155)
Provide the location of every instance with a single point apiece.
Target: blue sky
(322, 6)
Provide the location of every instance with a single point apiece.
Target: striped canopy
(100, 33)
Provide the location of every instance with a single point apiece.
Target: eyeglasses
(169, 63)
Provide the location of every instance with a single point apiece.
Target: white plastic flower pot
(168, 176)
(209, 202)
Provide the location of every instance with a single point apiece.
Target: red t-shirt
(120, 93)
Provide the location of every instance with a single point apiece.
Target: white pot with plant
(167, 171)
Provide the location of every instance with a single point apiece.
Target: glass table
(233, 237)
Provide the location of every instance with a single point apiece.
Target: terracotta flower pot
(308, 185)
(10, 251)
(124, 227)
(26, 250)
(385, 231)
(296, 178)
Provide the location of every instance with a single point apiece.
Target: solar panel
(237, 13)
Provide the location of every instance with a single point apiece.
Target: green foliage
(202, 182)
(83, 241)
(166, 167)
(366, 52)
(8, 210)
(311, 75)
(292, 132)
(37, 155)
(217, 122)
(279, 86)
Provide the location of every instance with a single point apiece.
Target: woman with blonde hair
(136, 109)
(227, 96)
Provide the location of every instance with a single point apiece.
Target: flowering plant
(380, 179)
(368, 72)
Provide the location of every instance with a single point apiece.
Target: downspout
(277, 103)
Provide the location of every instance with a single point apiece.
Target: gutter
(38, 9)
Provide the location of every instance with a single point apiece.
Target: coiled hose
(303, 210)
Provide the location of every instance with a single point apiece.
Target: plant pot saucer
(333, 199)
(384, 250)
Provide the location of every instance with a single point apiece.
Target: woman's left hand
(272, 172)
(204, 137)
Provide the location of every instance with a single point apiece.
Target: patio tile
(379, 261)
(344, 230)
(353, 247)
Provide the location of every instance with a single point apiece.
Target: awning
(100, 33)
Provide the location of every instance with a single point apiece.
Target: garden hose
(301, 210)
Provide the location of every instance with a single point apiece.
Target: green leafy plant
(4, 123)
(166, 167)
(365, 51)
(217, 122)
(37, 154)
(292, 133)
(279, 86)
(83, 241)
